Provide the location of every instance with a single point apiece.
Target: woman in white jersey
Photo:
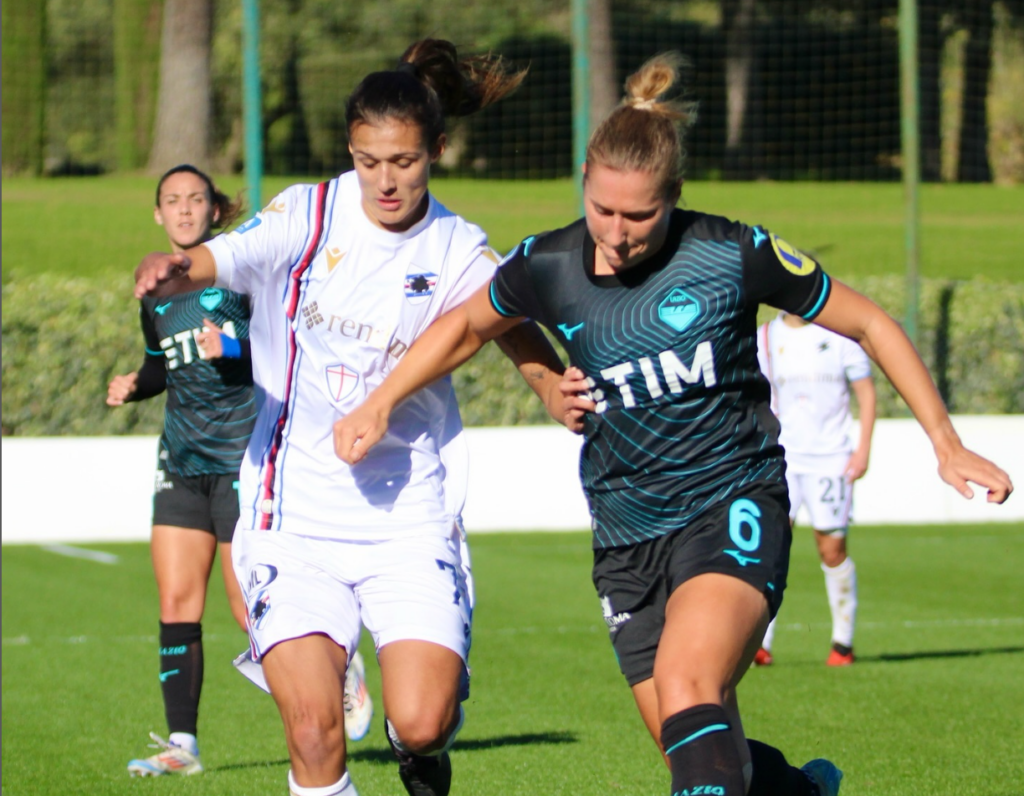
(343, 277)
(812, 372)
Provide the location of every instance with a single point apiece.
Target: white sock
(343, 787)
(769, 635)
(841, 585)
(185, 740)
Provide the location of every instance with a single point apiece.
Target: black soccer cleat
(423, 775)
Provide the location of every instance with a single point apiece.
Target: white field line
(80, 552)
(1006, 621)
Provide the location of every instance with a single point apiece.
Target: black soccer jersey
(669, 346)
(211, 406)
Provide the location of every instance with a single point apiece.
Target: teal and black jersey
(211, 406)
(669, 346)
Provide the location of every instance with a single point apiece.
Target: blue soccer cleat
(825, 775)
(172, 759)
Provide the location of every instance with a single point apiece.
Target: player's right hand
(157, 269)
(576, 403)
(121, 388)
(359, 431)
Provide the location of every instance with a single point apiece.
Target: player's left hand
(960, 465)
(208, 341)
(359, 431)
(856, 466)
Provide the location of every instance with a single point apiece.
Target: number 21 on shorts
(744, 530)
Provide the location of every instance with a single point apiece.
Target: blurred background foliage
(789, 89)
(64, 339)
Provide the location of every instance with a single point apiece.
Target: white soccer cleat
(358, 705)
(172, 759)
(825, 775)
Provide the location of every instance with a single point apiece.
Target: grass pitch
(935, 704)
(101, 226)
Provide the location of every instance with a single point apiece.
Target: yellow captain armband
(792, 259)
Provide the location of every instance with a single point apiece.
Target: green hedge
(64, 339)
(972, 340)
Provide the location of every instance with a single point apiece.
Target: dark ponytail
(229, 208)
(430, 83)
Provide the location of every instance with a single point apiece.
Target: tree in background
(24, 85)
(973, 165)
(738, 22)
(136, 70)
(184, 109)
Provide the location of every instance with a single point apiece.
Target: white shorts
(400, 589)
(826, 493)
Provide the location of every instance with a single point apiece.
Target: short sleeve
(274, 238)
(472, 276)
(512, 293)
(856, 364)
(780, 275)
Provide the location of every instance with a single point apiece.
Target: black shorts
(204, 502)
(747, 536)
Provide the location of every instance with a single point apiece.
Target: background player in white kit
(343, 277)
(812, 372)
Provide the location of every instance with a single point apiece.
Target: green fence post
(252, 103)
(580, 94)
(910, 106)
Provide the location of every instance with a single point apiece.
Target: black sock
(181, 673)
(773, 776)
(702, 753)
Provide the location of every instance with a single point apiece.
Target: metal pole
(911, 157)
(252, 105)
(580, 93)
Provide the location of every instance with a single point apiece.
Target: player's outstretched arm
(162, 274)
(857, 317)
(447, 343)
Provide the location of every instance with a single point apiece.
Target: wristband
(230, 347)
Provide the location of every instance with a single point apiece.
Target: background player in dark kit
(196, 349)
(681, 464)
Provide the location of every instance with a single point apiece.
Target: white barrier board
(81, 489)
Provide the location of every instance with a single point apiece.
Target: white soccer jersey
(336, 302)
(810, 369)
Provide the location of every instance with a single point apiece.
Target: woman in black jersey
(681, 465)
(197, 350)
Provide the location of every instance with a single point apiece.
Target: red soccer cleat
(763, 658)
(840, 656)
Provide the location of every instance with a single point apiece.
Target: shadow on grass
(475, 745)
(900, 657)
(384, 756)
(903, 657)
(253, 764)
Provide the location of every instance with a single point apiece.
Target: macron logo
(569, 331)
